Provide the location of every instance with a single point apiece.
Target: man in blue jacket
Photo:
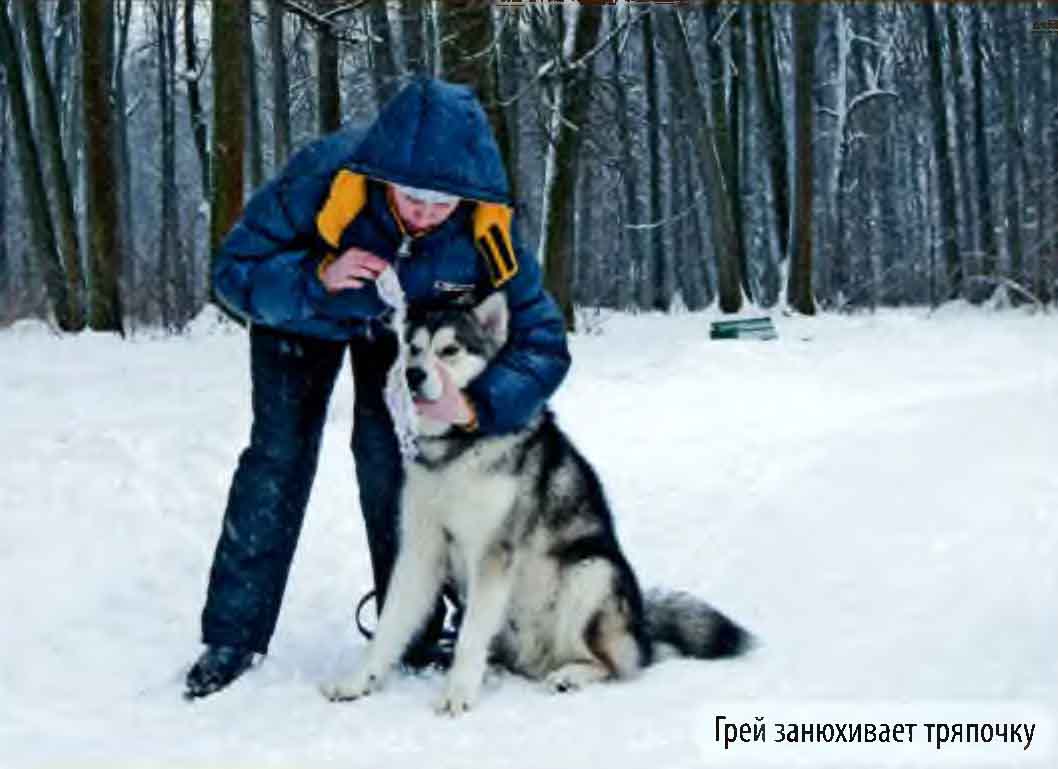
(422, 189)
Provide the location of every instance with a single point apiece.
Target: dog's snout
(416, 376)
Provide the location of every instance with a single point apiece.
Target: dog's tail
(679, 623)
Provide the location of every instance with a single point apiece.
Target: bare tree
(194, 73)
(384, 60)
(943, 151)
(66, 22)
(724, 77)
(799, 294)
(105, 312)
(168, 245)
(507, 77)
(1010, 64)
(630, 239)
(50, 136)
(412, 33)
(328, 96)
(123, 11)
(652, 281)
(573, 112)
(280, 86)
(844, 104)
(1047, 183)
(229, 127)
(468, 56)
(986, 218)
(6, 279)
(255, 156)
(685, 81)
(44, 244)
(768, 91)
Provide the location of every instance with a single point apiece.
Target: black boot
(216, 668)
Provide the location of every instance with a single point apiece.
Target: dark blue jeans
(293, 377)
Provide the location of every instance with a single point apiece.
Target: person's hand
(351, 269)
(451, 408)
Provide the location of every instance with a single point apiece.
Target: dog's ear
(493, 315)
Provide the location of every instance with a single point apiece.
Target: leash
(448, 634)
(370, 595)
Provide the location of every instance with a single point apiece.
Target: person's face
(418, 214)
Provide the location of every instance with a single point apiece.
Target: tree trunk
(1016, 151)
(681, 208)
(960, 88)
(65, 19)
(944, 152)
(128, 234)
(253, 104)
(685, 81)
(723, 78)
(6, 275)
(982, 164)
(171, 273)
(329, 98)
(769, 89)
(1046, 139)
(36, 200)
(411, 15)
(229, 126)
(799, 286)
(50, 135)
(631, 240)
(739, 89)
(838, 271)
(585, 293)
(105, 312)
(698, 290)
(652, 293)
(280, 87)
(507, 74)
(577, 98)
(468, 57)
(384, 71)
(165, 256)
(199, 127)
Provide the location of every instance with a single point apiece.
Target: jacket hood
(434, 135)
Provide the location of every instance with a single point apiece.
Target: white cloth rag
(397, 394)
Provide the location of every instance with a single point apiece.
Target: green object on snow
(748, 328)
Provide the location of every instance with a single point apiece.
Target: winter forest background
(826, 156)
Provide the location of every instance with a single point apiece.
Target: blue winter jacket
(330, 197)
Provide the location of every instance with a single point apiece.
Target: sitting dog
(519, 524)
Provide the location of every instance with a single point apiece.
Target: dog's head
(456, 343)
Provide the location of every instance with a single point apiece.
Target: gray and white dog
(520, 525)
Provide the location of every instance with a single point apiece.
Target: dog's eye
(449, 351)
(414, 350)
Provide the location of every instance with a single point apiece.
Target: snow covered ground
(875, 497)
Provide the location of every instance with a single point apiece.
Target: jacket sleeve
(533, 363)
(265, 269)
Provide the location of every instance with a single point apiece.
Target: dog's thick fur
(520, 525)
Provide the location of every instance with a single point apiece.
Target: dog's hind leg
(612, 643)
(594, 639)
(488, 594)
(413, 588)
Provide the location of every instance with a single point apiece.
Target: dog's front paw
(560, 682)
(355, 688)
(571, 678)
(461, 694)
